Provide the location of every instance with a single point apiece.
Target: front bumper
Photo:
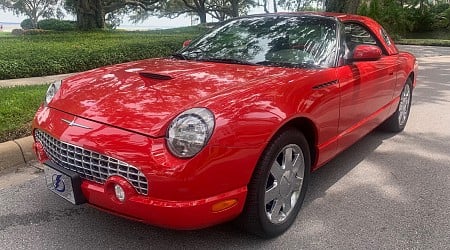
(182, 194)
(169, 214)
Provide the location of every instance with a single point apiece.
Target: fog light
(120, 194)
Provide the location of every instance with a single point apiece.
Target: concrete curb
(16, 153)
(33, 80)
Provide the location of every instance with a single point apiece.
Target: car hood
(144, 96)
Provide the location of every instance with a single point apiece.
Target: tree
(343, 6)
(301, 5)
(219, 9)
(266, 3)
(224, 9)
(33, 9)
(197, 6)
(92, 14)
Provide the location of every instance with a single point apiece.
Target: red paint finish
(191, 214)
(129, 111)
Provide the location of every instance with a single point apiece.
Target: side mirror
(366, 53)
(186, 43)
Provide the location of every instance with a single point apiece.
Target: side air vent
(324, 85)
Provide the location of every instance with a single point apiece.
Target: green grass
(5, 34)
(433, 38)
(17, 108)
(65, 52)
(424, 42)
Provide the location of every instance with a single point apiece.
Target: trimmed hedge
(26, 24)
(57, 25)
(66, 52)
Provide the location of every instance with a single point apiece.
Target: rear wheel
(397, 121)
(278, 186)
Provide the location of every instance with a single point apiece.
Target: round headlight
(51, 91)
(190, 131)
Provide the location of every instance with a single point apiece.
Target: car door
(366, 87)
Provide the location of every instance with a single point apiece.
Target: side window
(356, 34)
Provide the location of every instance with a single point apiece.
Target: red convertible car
(230, 127)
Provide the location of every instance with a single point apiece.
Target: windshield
(288, 41)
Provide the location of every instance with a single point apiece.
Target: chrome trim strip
(73, 123)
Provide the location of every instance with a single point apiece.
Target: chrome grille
(89, 164)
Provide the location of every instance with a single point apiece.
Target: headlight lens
(51, 91)
(190, 131)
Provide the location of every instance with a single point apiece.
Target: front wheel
(397, 121)
(278, 186)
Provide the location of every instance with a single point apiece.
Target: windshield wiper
(289, 65)
(227, 60)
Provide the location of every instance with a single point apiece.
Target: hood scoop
(155, 76)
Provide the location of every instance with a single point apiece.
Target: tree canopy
(397, 16)
(33, 9)
(93, 14)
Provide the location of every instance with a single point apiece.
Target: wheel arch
(309, 130)
(252, 217)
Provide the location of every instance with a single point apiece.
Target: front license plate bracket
(63, 182)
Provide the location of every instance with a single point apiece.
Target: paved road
(387, 191)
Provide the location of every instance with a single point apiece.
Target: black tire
(255, 217)
(397, 121)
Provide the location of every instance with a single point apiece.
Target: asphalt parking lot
(386, 191)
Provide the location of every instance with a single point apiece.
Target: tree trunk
(34, 22)
(234, 8)
(342, 6)
(90, 14)
(34, 18)
(265, 6)
(202, 16)
(275, 6)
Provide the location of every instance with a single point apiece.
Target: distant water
(7, 27)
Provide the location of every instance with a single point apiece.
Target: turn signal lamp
(223, 205)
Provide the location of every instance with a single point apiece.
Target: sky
(152, 22)
(9, 17)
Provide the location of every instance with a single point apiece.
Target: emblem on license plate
(58, 183)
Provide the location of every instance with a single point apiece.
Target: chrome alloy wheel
(403, 107)
(284, 183)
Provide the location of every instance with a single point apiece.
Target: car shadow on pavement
(333, 171)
